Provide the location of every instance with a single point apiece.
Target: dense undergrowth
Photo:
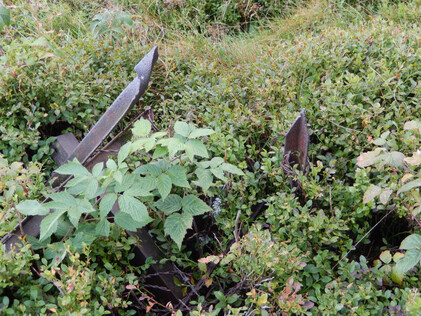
(244, 69)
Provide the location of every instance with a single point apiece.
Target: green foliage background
(244, 69)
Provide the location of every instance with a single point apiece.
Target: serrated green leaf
(57, 205)
(142, 186)
(194, 206)
(106, 204)
(32, 207)
(134, 207)
(385, 256)
(111, 164)
(182, 128)
(204, 177)
(73, 168)
(97, 169)
(410, 185)
(145, 144)
(126, 183)
(148, 169)
(160, 151)
(74, 213)
(219, 173)
(164, 185)
(159, 134)
(231, 169)
(103, 228)
(125, 221)
(171, 204)
(178, 176)
(411, 242)
(91, 188)
(176, 226)
(372, 191)
(64, 197)
(195, 147)
(173, 144)
(199, 132)
(82, 239)
(78, 186)
(124, 152)
(141, 128)
(49, 224)
(118, 176)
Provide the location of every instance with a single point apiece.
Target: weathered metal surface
(118, 109)
(63, 146)
(296, 143)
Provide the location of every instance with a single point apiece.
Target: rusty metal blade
(296, 143)
(118, 109)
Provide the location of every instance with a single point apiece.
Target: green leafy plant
(4, 16)
(173, 171)
(18, 183)
(404, 189)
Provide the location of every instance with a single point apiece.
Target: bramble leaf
(106, 204)
(194, 206)
(73, 168)
(49, 224)
(134, 207)
(103, 227)
(32, 207)
(125, 221)
(199, 132)
(204, 177)
(164, 185)
(176, 226)
(142, 128)
(97, 169)
(182, 128)
(124, 152)
(171, 204)
(178, 176)
(231, 169)
(195, 147)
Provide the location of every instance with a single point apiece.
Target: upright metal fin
(296, 143)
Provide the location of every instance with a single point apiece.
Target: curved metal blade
(124, 102)
(296, 142)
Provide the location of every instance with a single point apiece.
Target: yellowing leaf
(415, 160)
(385, 195)
(369, 158)
(407, 177)
(372, 191)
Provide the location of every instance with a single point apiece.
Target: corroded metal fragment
(296, 143)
